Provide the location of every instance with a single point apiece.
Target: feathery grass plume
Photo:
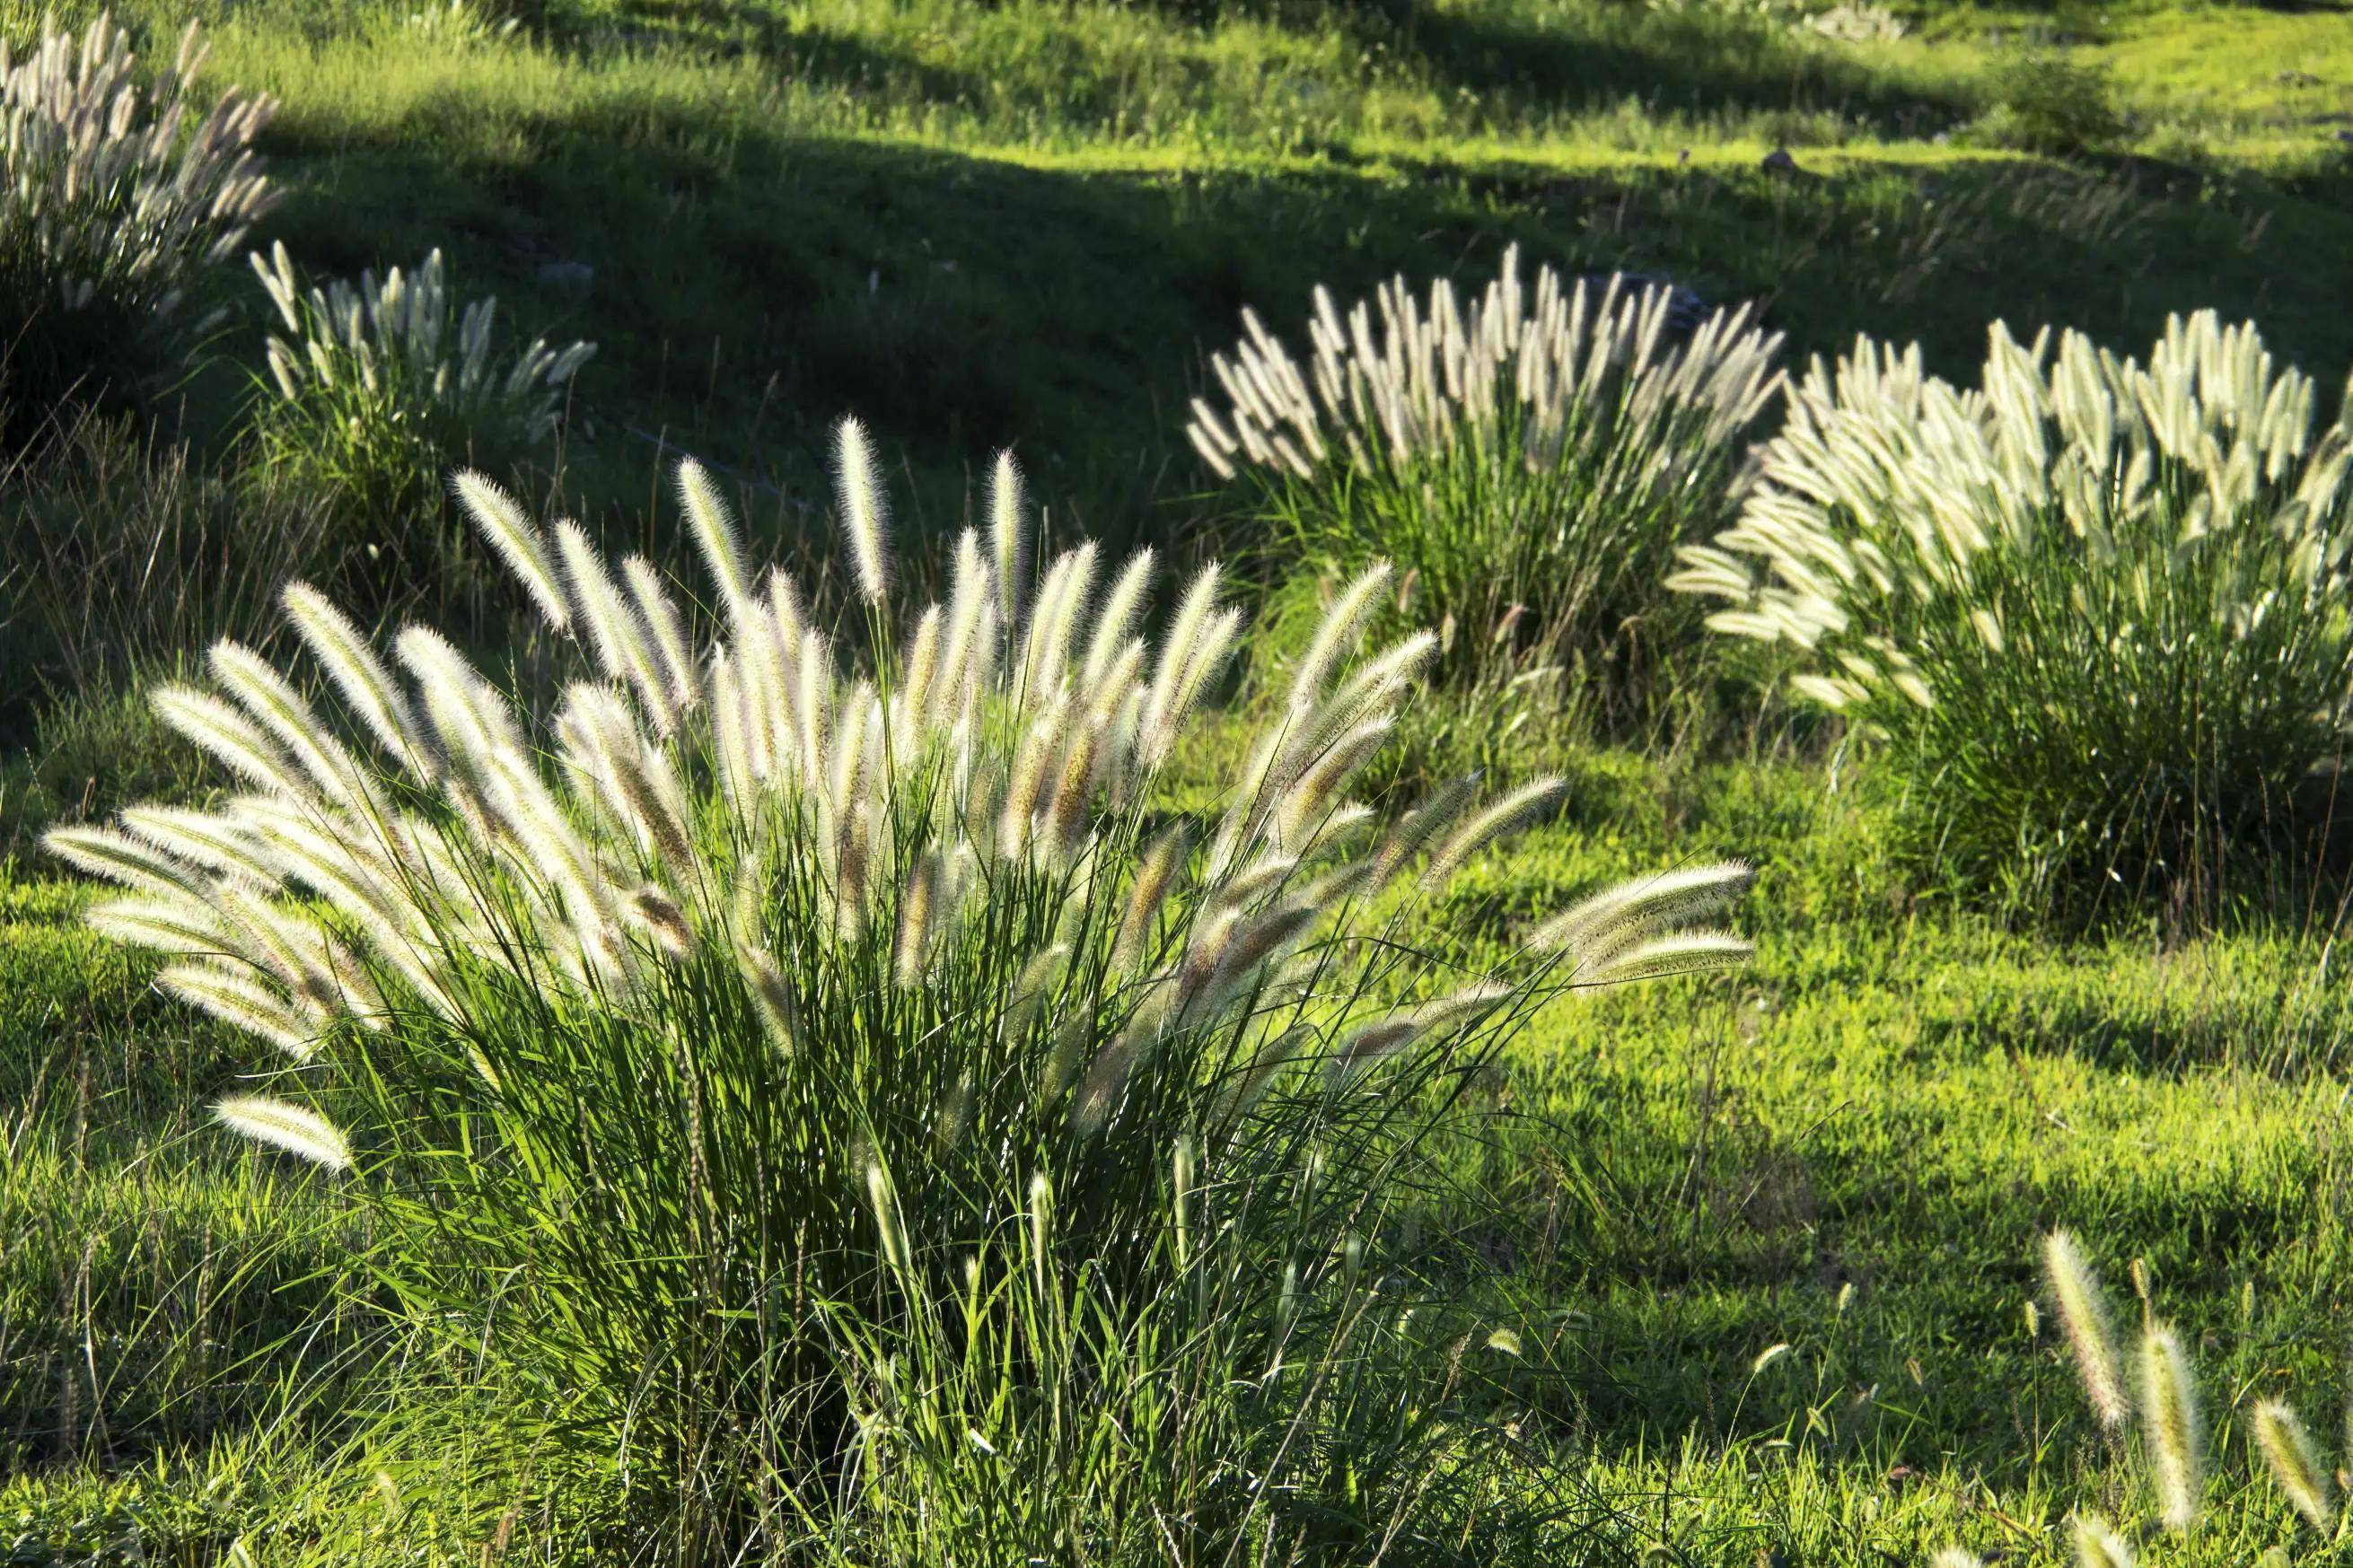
(865, 517)
(713, 525)
(124, 859)
(359, 677)
(1955, 1557)
(2097, 1545)
(2296, 1463)
(242, 1001)
(1115, 619)
(889, 1223)
(118, 195)
(286, 1126)
(1658, 957)
(2084, 1315)
(1008, 539)
(518, 543)
(2176, 1436)
(1534, 456)
(1039, 1212)
(666, 634)
(849, 957)
(1502, 818)
(376, 387)
(1182, 1174)
(197, 838)
(227, 736)
(2093, 606)
(1597, 930)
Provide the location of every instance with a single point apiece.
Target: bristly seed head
(738, 832)
(864, 514)
(2296, 1463)
(2084, 1316)
(2170, 1397)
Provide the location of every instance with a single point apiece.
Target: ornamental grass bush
(118, 196)
(2094, 608)
(809, 1037)
(375, 387)
(1531, 458)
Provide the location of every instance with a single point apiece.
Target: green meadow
(1740, 1268)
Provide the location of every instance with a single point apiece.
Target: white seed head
(865, 517)
(286, 1126)
(2084, 1315)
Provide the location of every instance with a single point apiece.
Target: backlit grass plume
(637, 996)
(2296, 1463)
(2083, 1314)
(118, 193)
(2098, 1545)
(2176, 1436)
(1531, 457)
(374, 387)
(2172, 1448)
(2096, 606)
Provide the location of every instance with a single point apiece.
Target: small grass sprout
(1533, 457)
(2095, 605)
(760, 962)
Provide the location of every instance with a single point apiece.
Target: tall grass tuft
(2094, 606)
(754, 1024)
(117, 195)
(375, 387)
(1532, 458)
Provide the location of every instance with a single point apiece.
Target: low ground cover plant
(787, 994)
(118, 195)
(1531, 457)
(377, 387)
(2094, 606)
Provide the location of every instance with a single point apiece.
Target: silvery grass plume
(2296, 1463)
(2098, 1545)
(402, 349)
(2090, 597)
(2176, 1434)
(655, 976)
(114, 190)
(2083, 1314)
(1535, 453)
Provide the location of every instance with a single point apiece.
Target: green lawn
(1030, 224)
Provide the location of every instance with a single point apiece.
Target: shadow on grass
(1514, 67)
(749, 288)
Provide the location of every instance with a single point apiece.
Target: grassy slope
(981, 224)
(938, 214)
